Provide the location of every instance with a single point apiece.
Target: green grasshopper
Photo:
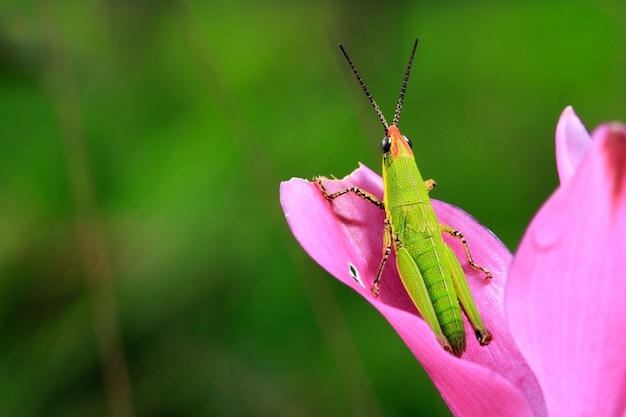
(429, 269)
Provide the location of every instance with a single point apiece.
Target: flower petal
(572, 143)
(349, 232)
(565, 297)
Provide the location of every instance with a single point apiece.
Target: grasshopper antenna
(396, 116)
(367, 92)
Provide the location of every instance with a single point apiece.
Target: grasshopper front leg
(386, 251)
(430, 184)
(367, 196)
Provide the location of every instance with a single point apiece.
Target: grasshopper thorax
(387, 142)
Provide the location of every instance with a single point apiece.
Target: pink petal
(349, 231)
(572, 143)
(566, 294)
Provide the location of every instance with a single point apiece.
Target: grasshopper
(428, 268)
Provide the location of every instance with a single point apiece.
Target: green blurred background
(146, 267)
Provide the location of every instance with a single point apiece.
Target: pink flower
(559, 334)
(566, 295)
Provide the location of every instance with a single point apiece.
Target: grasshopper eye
(386, 144)
(408, 141)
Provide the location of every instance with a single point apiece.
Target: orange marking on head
(399, 146)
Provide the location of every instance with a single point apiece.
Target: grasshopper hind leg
(465, 298)
(458, 235)
(483, 336)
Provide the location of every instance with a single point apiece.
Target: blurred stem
(88, 219)
(337, 333)
(264, 177)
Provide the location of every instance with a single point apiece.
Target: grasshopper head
(395, 145)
